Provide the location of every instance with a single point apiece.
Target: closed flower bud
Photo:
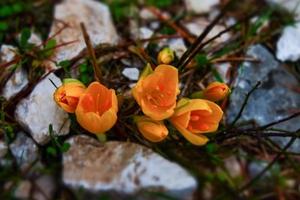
(97, 108)
(67, 95)
(165, 56)
(194, 117)
(216, 91)
(155, 131)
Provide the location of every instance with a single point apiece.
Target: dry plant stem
(234, 59)
(259, 175)
(173, 25)
(97, 71)
(194, 48)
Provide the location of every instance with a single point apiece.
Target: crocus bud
(165, 56)
(155, 131)
(216, 91)
(67, 95)
(97, 108)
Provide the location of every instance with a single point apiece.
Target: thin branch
(244, 104)
(280, 121)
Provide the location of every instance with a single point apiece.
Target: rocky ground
(254, 47)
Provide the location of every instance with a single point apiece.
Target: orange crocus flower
(67, 95)
(156, 91)
(155, 131)
(193, 117)
(97, 108)
(216, 91)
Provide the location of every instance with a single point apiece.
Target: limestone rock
(200, 6)
(288, 45)
(131, 73)
(122, 167)
(96, 18)
(37, 111)
(198, 25)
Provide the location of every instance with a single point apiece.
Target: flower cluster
(156, 93)
(95, 107)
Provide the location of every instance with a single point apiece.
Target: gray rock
(122, 167)
(200, 7)
(37, 111)
(288, 45)
(97, 19)
(24, 150)
(273, 100)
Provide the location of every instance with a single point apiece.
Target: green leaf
(3, 26)
(25, 35)
(197, 95)
(217, 75)
(147, 71)
(65, 147)
(49, 48)
(52, 151)
(201, 60)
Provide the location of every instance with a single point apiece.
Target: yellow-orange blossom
(152, 130)
(97, 108)
(193, 117)
(67, 95)
(156, 92)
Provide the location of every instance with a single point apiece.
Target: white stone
(15, 83)
(200, 6)
(178, 46)
(197, 26)
(146, 14)
(96, 18)
(131, 73)
(288, 45)
(123, 167)
(7, 53)
(19, 78)
(37, 111)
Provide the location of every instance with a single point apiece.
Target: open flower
(193, 117)
(156, 91)
(97, 108)
(216, 91)
(67, 95)
(155, 131)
